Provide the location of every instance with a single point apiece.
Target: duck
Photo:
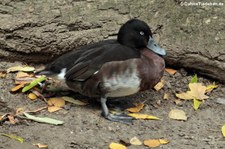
(113, 68)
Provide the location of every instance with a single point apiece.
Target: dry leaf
(223, 130)
(152, 142)
(177, 114)
(32, 96)
(2, 74)
(143, 116)
(41, 145)
(74, 101)
(16, 88)
(135, 141)
(12, 136)
(170, 71)
(137, 108)
(20, 68)
(23, 74)
(114, 145)
(211, 87)
(19, 111)
(178, 102)
(159, 85)
(164, 141)
(11, 119)
(53, 109)
(58, 102)
(166, 96)
(197, 90)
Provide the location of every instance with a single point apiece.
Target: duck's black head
(137, 34)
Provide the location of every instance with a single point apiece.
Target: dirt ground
(85, 128)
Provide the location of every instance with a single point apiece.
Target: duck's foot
(116, 117)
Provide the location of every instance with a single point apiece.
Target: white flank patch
(124, 84)
(61, 75)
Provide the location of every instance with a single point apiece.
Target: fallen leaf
(194, 79)
(211, 87)
(74, 101)
(53, 109)
(197, 90)
(178, 102)
(43, 119)
(22, 75)
(114, 145)
(135, 141)
(2, 74)
(143, 116)
(166, 96)
(12, 136)
(19, 111)
(177, 114)
(196, 103)
(40, 145)
(24, 80)
(159, 85)
(164, 141)
(11, 119)
(57, 102)
(223, 130)
(152, 143)
(32, 96)
(33, 84)
(170, 71)
(16, 88)
(20, 68)
(137, 108)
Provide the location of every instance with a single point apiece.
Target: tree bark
(39, 31)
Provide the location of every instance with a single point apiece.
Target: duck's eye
(142, 33)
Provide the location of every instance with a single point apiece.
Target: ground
(84, 126)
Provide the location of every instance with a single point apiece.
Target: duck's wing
(67, 60)
(91, 61)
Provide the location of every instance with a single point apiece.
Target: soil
(85, 128)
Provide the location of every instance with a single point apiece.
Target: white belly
(122, 85)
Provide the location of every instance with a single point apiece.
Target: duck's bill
(152, 45)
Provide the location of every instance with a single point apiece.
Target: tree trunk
(39, 31)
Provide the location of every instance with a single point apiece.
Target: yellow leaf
(53, 109)
(135, 141)
(166, 96)
(114, 145)
(40, 145)
(177, 114)
(32, 96)
(137, 108)
(211, 87)
(57, 102)
(170, 71)
(223, 130)
(152, 143)
(12, 136)
(159, 85)
(16, 88)
(20, 68)
(196, 103)
(197, 90)
(164, 141)
(143, 116)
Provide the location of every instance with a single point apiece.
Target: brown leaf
(137, 108)
(159, 85)
(11, 119)
(53, 109)
(2, 74)
(166, 96)
(170, 71)
(57, 102)
(74, 101)
(16, 88)
(23, 74)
